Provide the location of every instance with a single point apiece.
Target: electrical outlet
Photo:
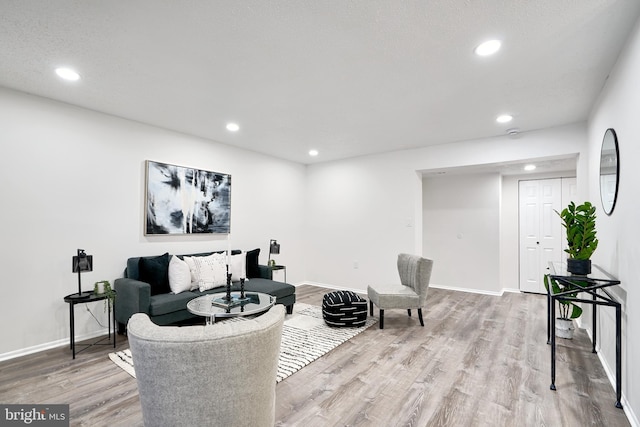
(356, 265)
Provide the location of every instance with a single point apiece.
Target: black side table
(590, 284)
(88, 297)
(280, 267)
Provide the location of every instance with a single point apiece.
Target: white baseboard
(339, 288)
(469, 290)
(626, 407)
(449, 288)
(50, 345)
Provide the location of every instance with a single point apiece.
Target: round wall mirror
(609, 171)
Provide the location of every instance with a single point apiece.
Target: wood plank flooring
(478, 361)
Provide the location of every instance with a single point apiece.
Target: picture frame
(184, 200)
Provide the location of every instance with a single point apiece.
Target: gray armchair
(222, 374)
(415, 273)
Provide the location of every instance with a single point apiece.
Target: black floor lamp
(81, 262)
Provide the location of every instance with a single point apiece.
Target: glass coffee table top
(213, 306)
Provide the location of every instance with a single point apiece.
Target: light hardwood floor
(478, 361)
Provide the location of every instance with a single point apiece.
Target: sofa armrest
(265, 272)
(134, 296)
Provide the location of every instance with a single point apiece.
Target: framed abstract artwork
(182, 200)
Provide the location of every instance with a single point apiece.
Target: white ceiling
(347, 78)
(565, 165)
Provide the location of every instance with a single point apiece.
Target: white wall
(73, 178)
(462, 213)
(366, 210)
(361, 213)
(618, 250)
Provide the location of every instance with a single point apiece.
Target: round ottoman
(344, 309)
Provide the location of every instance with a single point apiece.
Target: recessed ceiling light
(67, 74)
(313, 153)
(505, 118)
(530, 167)
(488, 48)
(233, 127)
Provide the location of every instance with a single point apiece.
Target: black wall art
(183, 200)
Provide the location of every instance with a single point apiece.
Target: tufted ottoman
(344, 308)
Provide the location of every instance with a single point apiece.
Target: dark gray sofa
(134, 296)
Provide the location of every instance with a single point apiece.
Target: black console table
(591, 284)
(88, 297)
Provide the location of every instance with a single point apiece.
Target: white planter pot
(564, 328)
(100, 288)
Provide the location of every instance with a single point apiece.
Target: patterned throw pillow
(209, 271)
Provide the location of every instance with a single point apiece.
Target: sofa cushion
(266, 286)
(155, 272)
(252, 263)
(215, 290)
(169, 303)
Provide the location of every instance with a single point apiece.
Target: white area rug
(305, 337)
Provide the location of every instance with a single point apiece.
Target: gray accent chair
(222, 374)
(415, 273)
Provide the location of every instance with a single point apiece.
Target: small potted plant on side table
(104, 288)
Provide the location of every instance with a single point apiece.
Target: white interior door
(540, 230)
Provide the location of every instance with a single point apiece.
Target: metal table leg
(618, 356)
(552, 319)
(594, 324)
(73, 328)
(548, 317)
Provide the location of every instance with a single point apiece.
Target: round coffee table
(213, 306)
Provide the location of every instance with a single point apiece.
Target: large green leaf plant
(580, 222)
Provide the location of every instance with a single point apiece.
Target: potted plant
(104, 288)
(568, 310)
(580, 223)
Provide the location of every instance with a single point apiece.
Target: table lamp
(81, 262)
(274, 248)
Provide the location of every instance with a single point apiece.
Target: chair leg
(420, 317)
(381, 319)
(409, 311)
(370, 308)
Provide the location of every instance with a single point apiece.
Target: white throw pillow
(210, 271)
(238, 267)
(192, 267)
(179, 275)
